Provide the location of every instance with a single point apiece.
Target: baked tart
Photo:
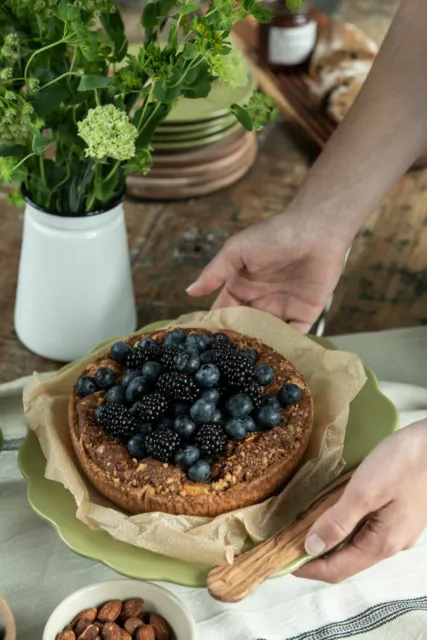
(190, 422)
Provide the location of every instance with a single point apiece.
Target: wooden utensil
(233, 582)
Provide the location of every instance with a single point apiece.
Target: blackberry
(236, 370)
(254, 391)
(211, 440)
(168, 356)
(117, 422)
(151, 407)
(140, 356)
(161, 445)
(178, 386)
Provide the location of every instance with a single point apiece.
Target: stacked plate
(200, 148)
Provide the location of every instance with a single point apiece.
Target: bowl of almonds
(121, 610)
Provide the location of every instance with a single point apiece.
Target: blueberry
(207, 357)
(148, 343)
(289, 394)
(202, 410)
(185, 427)
(119, 352)
(187, 362)
(264, 374)
(152, 370)
(165, 423)
(239, 405)
(217, 416)
(235, 429)
(97, 414)
(271, 401)
(197, 342)
(249, 423)
(115, 394)
(175, 339)
(199, 471)
(86, 385)
(127, 379)
(136, 446)
(187, 456)
(250, 354)
(207, 376)
(138, 387)
(212, 395)
(145, 428)
(268, 417)
(181, 409)
(105, 377)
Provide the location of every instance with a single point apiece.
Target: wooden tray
(291, 91)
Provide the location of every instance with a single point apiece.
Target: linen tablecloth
(37, 570)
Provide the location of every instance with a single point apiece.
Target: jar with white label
(289, 38)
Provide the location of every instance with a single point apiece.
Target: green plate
(177, 134)
(372, 418)
(192, 143)
(178, 127)
(217, 103)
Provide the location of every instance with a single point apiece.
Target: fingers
(216, 273)
(384, 535)
(226, 299)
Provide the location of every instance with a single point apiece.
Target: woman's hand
(389, 489)
(287, 266)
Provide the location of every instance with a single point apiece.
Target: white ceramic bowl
(157, 600)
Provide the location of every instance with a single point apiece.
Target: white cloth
(37, 570)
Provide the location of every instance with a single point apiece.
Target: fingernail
(314, 545)
(191, 287)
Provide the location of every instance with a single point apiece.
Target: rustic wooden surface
(384, 285)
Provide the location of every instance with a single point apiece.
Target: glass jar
(289, 38)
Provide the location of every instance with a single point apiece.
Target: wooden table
(385, 283)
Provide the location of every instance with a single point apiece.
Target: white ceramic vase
(75, 284)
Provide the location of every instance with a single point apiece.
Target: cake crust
(247, 473)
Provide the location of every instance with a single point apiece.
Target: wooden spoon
(233, 582)
(7, 622)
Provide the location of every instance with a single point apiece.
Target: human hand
(287, 266)
(389, 488)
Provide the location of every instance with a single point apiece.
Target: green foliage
(77, 111)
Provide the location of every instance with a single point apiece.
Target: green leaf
(67, 12)
(188, 8)
(88, 83)
(149, 16)
(166, 94)
(173, 37)
(40, 143)
(49, 99)
(154, 115)
(243, 116)
(294, 5)
(189, 51)
(113, 25)
(261, 14)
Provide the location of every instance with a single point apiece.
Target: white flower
(108, 133)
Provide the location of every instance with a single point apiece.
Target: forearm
(384, 132)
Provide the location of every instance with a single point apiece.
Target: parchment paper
(334, 378)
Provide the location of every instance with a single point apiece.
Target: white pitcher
(75, 284)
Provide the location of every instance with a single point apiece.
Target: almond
(145, 633)
(132, 624)
(160, 626)
(89, 633)
(81, 626)
(90, 614)
(132, 608)
(111, 631)
(110, 611)
(67, 634)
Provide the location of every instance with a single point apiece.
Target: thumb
(215, 274)
(335, 525)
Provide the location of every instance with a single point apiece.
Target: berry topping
(185, 427)
(137, 446)
(105, 377)
(289, 394)
(207, 376)
(177, 386)
(235, 429)
(268, 417)
(211, 440)
(139, 357)
(175, 338)
(187, 456)
(148, 343)
(115, 394)
(199, 471)
(86, 385)
(161, 445)
(211, 395)
(151, 407)
(250, 354)
(127, 379)
(137, 389)
(152, 370)
(239, 405)
(117, 422)
(187, 362)
(264, 374)
(120, 351)
(202, 410)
